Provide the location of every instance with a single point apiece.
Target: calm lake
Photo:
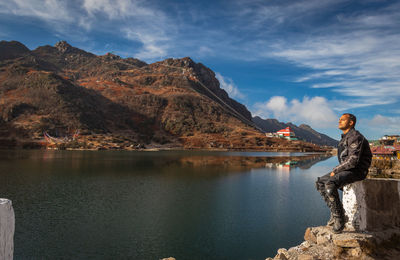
(151, 205)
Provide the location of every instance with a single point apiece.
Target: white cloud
(356, 65)
(318, 75)
(379, 120)
(345, 105)
(278, 105)
(260, 13)
(358, 57)
(381, 125)
(116, 9)
(229, 86)
(353, 53)
(49, 10)
(204, 51)
(135, 20)
(155, 44)
(315, 111)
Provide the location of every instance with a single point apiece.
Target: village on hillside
(386, 157)
(386, 148)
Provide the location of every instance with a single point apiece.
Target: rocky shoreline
(322, 243)
(125, 142)
(372, 230)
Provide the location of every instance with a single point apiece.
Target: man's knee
(320, 183)
(331, 190)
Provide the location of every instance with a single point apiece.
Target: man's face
(345, 122)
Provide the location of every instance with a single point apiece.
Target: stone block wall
(372, 204)
(7, 225)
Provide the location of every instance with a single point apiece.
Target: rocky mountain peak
(111, 56)
(186, 62)
(63, 46)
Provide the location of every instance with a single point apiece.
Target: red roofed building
(286, 133)
(384, 152)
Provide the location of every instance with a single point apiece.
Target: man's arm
(354, 153)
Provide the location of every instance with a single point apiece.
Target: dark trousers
(340, 179)
(328, 188)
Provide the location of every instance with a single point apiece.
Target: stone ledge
(7, 226)
(372, 231)
(322, 243)
(372, 204)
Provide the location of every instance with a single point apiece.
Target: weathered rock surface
(372, 204)
(322, 243)
(372, 231)
(7, 226)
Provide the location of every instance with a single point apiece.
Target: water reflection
(305, 162)
(149, 205)
(238, 163)
(176, 163)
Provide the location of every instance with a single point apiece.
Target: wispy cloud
(118, 9)
(392, 124)
(135, 20)
(49, 10)
(229, 86)
(357, 57)
(155, 43)
(354, 53)
(315, 111)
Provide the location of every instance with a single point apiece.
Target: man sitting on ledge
(354, 157)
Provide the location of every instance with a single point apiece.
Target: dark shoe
(331, 221)
(338, 224)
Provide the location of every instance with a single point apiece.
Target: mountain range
(118, 103)
(303, 131)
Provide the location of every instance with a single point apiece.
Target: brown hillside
(120, 103)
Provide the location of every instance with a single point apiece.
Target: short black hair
(352, 118)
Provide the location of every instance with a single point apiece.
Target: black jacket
(353, 153)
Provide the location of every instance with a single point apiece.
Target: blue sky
(304, 61)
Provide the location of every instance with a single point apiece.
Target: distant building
(271, 135)
(287, 133)
(389, 139)
(386, 152)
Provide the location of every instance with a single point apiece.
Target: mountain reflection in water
(157, 162)
(150, 205)
(239, 163)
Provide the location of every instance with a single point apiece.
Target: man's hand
(332, 174)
